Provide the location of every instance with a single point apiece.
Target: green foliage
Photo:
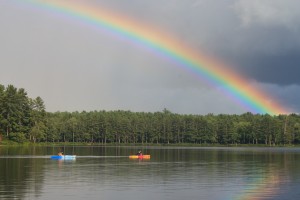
(169, 128)
(19, 114)
(17, 137)
(25, 119)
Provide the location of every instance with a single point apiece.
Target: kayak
(139, 157)
(64, 157)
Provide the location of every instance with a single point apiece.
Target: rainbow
(233, 85)
(263, 188)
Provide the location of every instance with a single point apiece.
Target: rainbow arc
(163, 44)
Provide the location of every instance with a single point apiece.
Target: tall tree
(2, 120)
(38, 120)
(10, 109)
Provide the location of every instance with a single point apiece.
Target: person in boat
(60, 153)
(139, 153)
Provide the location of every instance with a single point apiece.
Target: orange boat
(139, 157)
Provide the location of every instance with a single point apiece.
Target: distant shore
(9, 143)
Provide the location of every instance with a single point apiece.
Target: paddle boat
(63, 157)
(139, 156)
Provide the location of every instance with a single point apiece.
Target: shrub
(17, 137)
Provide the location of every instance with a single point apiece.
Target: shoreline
(11, 144)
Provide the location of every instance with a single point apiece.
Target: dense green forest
(23, 119)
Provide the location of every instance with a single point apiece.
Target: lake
(172, 173)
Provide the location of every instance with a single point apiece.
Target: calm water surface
(107, 173)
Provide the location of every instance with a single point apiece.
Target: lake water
(107, 173)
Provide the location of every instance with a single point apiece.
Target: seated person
(139, 153)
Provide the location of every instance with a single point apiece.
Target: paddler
(60, 153)
(139, 153)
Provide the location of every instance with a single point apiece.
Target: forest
(25, 120)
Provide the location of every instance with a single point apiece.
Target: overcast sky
(73, 67)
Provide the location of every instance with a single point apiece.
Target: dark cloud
(266, 52)
(280, 69)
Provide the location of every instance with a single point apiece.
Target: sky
(74, 67)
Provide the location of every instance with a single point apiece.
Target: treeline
(23, 119)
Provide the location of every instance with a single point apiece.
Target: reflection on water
(171, 173)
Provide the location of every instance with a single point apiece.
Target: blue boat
(63, 157)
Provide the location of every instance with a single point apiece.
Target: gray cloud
(268, 12)
(77, 67)
(270, 55)
(265, 45)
